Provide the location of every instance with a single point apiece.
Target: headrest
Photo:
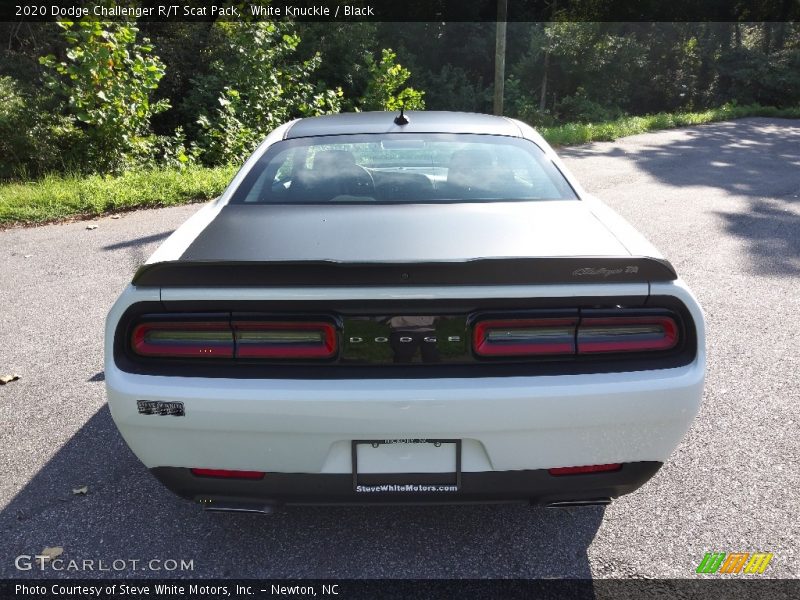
(333, 160)
(470, 159)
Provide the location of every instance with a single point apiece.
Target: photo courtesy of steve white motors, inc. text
(171, 589)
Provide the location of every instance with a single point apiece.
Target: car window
(408, 168)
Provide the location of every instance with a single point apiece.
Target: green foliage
(54, 197)
(34, 139)
(579, 108)
(229, 84)
(452, 86)
(343, 47)
(582, 133)
(262, 88)
(749, 75)
(386, 78)
(58, 197)
(106, 81)
(15, 122)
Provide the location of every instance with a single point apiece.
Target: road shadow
(773, 235)
(141, 241)
(127, 514)
(755, 159)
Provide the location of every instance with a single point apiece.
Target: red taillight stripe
(626, 334)
(284, 340)
(228, 474)
(526, 337)
(190, 339)
(559, 471)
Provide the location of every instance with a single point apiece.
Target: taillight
(558, 336)
(284, 340)
(626, 334)
(525, 337)
(172, 337)
(228, 474)
(557, 472)
(193, 339)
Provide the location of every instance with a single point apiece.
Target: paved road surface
(721, 201)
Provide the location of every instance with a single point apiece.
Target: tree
(258, 86)
(385, 80)
(106, 82)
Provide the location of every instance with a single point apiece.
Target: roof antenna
(401, 119)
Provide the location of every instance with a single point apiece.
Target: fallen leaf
(81, 490)
(92, 226)
(51, 553)
(4, 379)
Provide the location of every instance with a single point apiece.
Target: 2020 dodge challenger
(424, 307)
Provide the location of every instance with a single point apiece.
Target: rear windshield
(402, 168)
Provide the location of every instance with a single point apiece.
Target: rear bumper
(536, 486)
(505, 424)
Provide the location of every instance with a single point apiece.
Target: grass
(582, 133)
(57, 198)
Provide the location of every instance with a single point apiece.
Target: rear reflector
(284, 340)
(626, 334)
(583, 470)
(525, 337)
(226, 474)
(189, 339)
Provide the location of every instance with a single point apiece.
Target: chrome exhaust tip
(239, 507)
(573, 503)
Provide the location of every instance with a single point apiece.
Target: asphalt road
(722, 201)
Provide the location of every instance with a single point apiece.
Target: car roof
(418, 122)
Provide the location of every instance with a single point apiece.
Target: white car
(404, 308)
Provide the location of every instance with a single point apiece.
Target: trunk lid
(481, 243)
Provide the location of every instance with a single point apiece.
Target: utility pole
(500, 56)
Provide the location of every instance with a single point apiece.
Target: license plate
(406, 465)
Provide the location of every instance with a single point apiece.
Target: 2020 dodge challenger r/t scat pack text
(404, 308)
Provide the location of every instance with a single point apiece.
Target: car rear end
(598, 386)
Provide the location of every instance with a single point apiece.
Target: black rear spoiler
(484, 271)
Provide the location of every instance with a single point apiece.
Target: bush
(263, 89)
(578, 108)
(105, 85)
(34, 139)
(386, 79)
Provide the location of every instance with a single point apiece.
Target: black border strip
(536, 486)
(423, 10)
(706, 587)
(574, 365)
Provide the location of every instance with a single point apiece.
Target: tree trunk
(766, 44)
(543, 97)
(500, 56)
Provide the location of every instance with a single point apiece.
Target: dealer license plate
(406, 466)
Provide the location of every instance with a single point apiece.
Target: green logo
(734, 562)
